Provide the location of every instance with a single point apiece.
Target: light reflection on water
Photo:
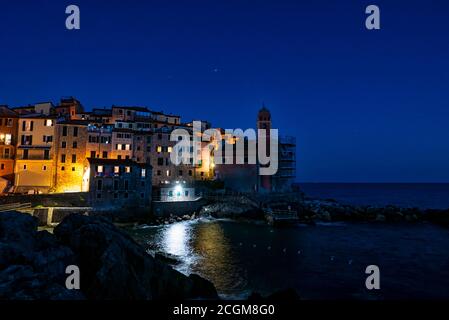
(323, 262)
(175, 239)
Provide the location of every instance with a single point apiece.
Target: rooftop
(135, 108)
(6, 112)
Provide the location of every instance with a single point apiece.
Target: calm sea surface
(326, 261)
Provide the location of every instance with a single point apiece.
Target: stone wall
(177, 208)
(76, 199)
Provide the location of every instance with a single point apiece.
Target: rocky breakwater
(313, 210)
(112, 265)
(234, 207)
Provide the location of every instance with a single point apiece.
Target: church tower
(264, 122)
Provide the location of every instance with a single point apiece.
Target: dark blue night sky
(365, 106)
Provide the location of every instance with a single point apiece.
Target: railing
(14, 206)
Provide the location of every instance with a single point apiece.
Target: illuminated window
(118, 147)
(159, 149)
(116, 169)
(5, 138)
(168, 173)
(48, 122)
(127, 169)
(169, 149)
(127, 147)
(100, 169)
(143, 173)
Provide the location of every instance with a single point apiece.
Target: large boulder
(114, 266)
(18, 228)
(32, 263)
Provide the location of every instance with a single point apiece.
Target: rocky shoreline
(310, 211)
(313, 210)
(112, 265)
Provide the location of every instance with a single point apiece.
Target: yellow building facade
(35, 156)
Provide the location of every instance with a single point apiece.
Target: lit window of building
(143, 173)
(116, 169)
(127, 169)
(48, 122)
(5, 138)
(159, 149)
(169, 149)
(100, 169)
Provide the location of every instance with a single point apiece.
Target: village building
(164, 171)
(126, 113)
(113, 182)
(122, 144)
(29, 109)
(8, 141)
(71, 146)
(35, 154)
(142, 146)
(99, 141)
(44, 148)
(68, 108)
(100, 116)
(175, 191)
